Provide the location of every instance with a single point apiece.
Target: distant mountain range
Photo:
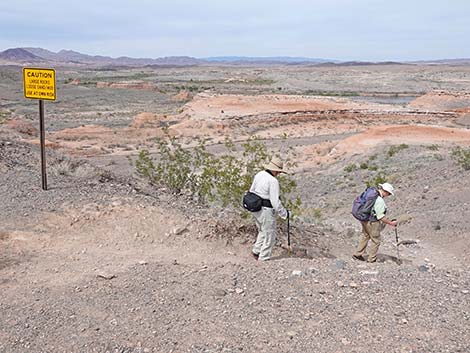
(43, 56)
(40, 56)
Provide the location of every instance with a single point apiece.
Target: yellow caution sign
(39, 83)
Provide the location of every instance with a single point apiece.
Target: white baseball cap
(388, 187)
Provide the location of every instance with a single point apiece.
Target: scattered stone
(353, 285)
(180, 230)
(297, 273)
(291, 334)
(340, 264)
(143, 262)
(312, 270)
(239, 291)
(220, 293)
(369, 272)
(423, 268)
(106, 275)
(465, 291)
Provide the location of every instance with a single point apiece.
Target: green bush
(350, 168)
(380, 178)
(4, 115)
(209, 178)
(462, 157)
(396, 148)
(433, 147)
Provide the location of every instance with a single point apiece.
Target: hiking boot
(255, 256)
(359, 257)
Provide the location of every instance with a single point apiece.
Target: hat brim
(274, 168)
(390, 192)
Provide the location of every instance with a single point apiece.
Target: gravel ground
(290, 305)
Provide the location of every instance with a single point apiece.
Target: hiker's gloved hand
(284, 213)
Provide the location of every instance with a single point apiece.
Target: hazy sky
(335, 29)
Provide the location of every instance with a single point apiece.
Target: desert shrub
(380, 178)
(65, 166)
(396, 148)
(4, 115)
(433, 147)
(350, 168)
(363, 165)
(462, 156)
(210, 178)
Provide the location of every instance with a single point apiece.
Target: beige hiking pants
(370, 231)
(266, 224)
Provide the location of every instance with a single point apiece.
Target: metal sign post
(42, 137)
(40, 84)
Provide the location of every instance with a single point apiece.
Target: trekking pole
(289, 250)
(397, 244)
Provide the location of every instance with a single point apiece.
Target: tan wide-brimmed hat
(276, 165)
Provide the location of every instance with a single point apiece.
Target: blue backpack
(364, 203)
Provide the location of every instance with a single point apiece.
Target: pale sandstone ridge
(182, 96)
(146, 119)
(409, 134)
(443, 101)
(205, 105)
(377, 136)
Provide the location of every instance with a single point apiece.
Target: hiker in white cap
(266, 186)
(371, 228)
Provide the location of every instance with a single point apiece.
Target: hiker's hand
(394, 223)
(287, 215)
(284, 214)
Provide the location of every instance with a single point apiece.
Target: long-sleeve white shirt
(266, 186)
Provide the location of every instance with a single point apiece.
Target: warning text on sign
(39, 83)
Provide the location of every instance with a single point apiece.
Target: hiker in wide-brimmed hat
(266, 186)
(374, 220)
